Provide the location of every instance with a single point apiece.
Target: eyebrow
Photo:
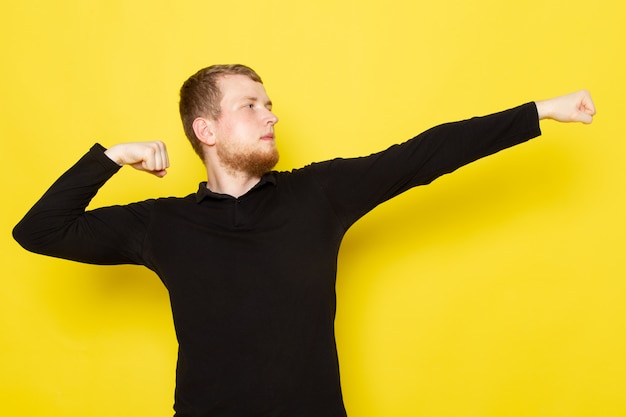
(252, 98)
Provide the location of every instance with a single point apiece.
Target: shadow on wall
(486, 195)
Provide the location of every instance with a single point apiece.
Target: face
(244, 131)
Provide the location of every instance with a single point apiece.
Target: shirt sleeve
(355, 186)
(58, 224)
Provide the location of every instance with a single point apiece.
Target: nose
(272, 119)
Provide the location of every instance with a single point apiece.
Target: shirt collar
(204, 192)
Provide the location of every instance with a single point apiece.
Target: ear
(203, 128)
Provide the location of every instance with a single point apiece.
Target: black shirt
(252, 279)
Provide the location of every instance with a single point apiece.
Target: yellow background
(496, 291)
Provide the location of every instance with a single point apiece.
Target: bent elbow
(22, 236)
(29, 237)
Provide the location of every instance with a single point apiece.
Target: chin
(262, 164)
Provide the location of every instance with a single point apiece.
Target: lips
(268, 136)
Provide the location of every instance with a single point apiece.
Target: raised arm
(59, 225)
(366, 182)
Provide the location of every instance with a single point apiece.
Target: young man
(249, 260)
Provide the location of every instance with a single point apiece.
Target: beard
(253, 162)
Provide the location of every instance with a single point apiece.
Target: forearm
(449, 146)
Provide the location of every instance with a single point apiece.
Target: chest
(259, 242)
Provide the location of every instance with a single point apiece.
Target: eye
(250, 106)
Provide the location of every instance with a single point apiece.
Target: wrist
(544, 109)
(114, 155)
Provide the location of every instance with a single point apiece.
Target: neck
(231, 183)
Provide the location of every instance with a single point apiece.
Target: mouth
(268, 136)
